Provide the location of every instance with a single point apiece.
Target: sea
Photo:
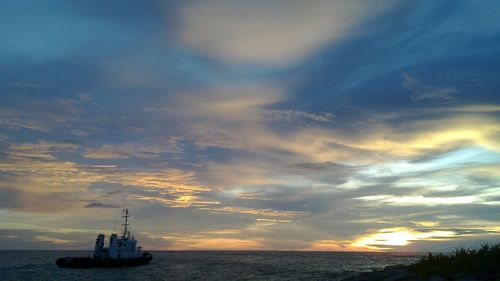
(205, 265)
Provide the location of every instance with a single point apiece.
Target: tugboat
(122, 252)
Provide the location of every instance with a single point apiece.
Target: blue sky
(290, 125)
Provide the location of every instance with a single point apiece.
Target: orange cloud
(182, 201)
(53, 240)
(276, 215)
(333, 245)
(216, 244)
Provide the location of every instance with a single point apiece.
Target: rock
(396, 267)
(397, 272)
(399, 276)
(465, 277)
(389, 273)
(365, 276)
(486, 276)
(369, 276)
(417, 278)
(437, 278)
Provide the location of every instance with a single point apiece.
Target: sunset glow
(392, 237)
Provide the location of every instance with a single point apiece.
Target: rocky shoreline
(403, 273)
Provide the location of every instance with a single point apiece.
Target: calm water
(204, 265)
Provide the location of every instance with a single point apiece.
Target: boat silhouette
(122, 252)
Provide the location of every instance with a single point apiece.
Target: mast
(126, 216)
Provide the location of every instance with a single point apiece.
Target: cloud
(100, 205)
(224, 115)
(414, 137)
(228, 103)
(46, 239)
(37, 162)
(53, 240)
(405, 237)
(269, 32)
(421, 91)
(239, 172)
(238, 117)
(307, 155)
(235, 117)
(471, 108)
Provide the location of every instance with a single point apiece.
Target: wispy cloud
(42, 173)
(421, 200)
(9, 119)
(421, 91)
(136, 149)
(291, 115)
(39, 150)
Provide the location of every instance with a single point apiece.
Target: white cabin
(119, 248)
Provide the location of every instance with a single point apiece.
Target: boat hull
(88, 262)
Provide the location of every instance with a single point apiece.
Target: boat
(122, 252)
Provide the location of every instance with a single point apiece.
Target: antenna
(114, 226)
(126, 216)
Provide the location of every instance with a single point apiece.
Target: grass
(485, 260)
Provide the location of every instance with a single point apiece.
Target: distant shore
(460, 265)
(404, 273)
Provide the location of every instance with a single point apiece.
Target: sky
(250, 125)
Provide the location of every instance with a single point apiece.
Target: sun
(387, 238)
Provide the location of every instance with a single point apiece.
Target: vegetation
(483, 261)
